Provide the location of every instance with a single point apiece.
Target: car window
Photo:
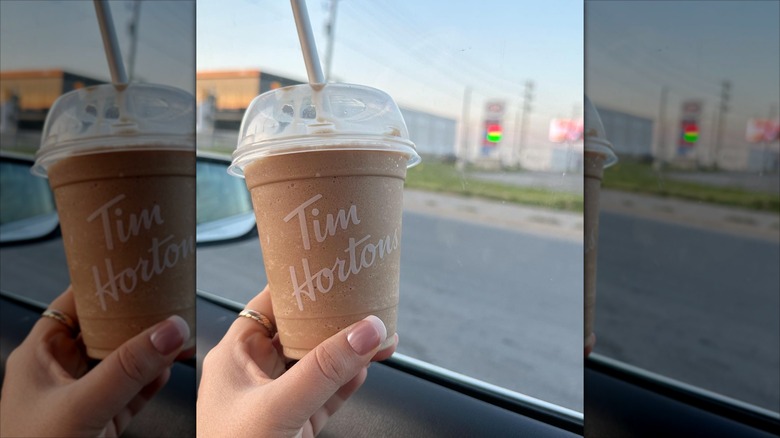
(223, 208)
(491, 264)
(26, 204)
(219, 197)
(688, 281)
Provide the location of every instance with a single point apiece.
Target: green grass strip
(445, 178)
(641, 178)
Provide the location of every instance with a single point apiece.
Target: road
(696, 305)
(499, 305)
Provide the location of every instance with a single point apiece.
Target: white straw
(310, 57)
(113, 55)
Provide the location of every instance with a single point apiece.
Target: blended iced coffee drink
(598, 156)
(121, 164)
(326, 169)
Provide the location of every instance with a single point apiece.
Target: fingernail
(367, 335)
(170, 335)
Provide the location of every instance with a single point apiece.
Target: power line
(468, 73)
(657, 61)
(392, 66)
(409, 18)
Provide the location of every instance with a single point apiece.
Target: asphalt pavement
(692, 291)
(691, 303)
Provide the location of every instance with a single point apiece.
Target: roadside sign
(565, 130)
(493, 126)
(762, 130)
(689, 127)
(691, 108)
(495, 109)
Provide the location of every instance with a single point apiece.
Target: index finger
(243, 327)
(65, 304)
(251, 340)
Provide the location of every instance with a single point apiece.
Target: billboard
(565, 130)
(762, 131)
(493, 129)
(689, 128)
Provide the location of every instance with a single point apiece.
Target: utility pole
(133, 31)
(515, 159)
(462, 155)
(331, 30)
(725, 94)
(524, 111)
(661, 153)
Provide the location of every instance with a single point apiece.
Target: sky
(423, 53)
(65, 35)
(426, 54)
(633, 49)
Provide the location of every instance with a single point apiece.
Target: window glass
(491, 265)
(26, 204)
(219, 196)
(688, 279)
(23, 196)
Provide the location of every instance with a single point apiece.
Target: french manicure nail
(170, 335)
(367, 335)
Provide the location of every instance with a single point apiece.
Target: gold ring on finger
(63, 319)
(261, 319)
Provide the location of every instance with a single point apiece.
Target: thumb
(113, 383)
(315, 379)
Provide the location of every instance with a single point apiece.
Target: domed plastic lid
(305, 118)
(108, 118)
(595, 137)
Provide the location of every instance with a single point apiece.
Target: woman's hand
(49, 391)
(246, 389)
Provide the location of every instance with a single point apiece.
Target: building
(223, 96)
(231, 91)
(432, 135)
(630, 135)
(25, 99)
(34, 91)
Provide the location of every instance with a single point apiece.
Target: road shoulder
(534, 220)
(735, 221)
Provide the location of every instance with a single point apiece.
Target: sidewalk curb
(731, 220)
(534, 220)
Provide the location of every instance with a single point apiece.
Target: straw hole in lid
(90, 110)
(111, 112)
(309, 112)
(288, 112)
